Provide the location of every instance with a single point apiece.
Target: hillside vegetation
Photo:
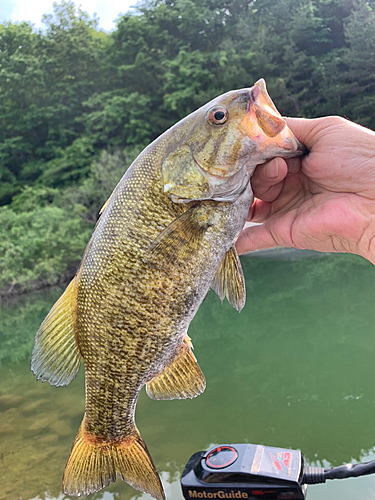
(78, 104)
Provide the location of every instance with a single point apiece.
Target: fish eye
(217, 115)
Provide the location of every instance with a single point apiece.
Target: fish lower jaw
(222, 198)
(229, 196)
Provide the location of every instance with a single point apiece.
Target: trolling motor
(248, 471)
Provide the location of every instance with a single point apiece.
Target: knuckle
(336, 121)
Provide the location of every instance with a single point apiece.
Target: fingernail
(272, 169)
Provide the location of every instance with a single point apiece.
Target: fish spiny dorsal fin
(56, 358)
(106, 204)
(229, 281)
(181, 379)
(103, 207)
(94, 463)
(181, 238)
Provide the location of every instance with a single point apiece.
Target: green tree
(44, 79)
(19, 77)
(358, 95)
(38, 248)
(78, 103)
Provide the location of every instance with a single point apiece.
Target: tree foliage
(74, 97)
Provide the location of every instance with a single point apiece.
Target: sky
(32, 10)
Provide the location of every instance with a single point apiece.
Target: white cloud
(6, 9)
(31, 11)
(107, 11)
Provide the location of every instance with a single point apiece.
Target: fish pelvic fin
(229, 281)
(179, 380)
(56, 358)
(94, 463)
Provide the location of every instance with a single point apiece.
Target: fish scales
(140, 295)
(164, 237)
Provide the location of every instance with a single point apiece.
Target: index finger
(305, 129)
(321, 130)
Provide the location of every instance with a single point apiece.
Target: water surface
(295, 369)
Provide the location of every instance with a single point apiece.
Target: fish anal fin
(181, 238)
(179, 380)
(56, 358)
(229, 281)
(94, 463)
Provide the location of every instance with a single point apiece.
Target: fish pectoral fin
(179, 380)
(178, 240)
(55, 357)
(229, 281)
(94, 463)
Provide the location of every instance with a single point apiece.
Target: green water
(294, 369)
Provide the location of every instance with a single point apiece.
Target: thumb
(307, 130)
(255, 238)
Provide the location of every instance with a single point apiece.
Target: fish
(164, 238)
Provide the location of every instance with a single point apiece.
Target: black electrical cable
(316, 475)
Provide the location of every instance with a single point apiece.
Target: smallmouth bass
(165, 237)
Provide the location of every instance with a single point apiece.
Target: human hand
(324, 201)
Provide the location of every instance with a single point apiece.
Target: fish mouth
(263, 134)
(267, 128)
(290, 145)
(301, 149)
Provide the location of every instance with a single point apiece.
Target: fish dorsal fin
(229, 281)
(178, 240)
(56, 358)
(104, 206)
(181, 379)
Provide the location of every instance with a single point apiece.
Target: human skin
(324, 201)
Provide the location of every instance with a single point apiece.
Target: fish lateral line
(148, 266)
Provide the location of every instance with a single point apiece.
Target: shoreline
(11, 292)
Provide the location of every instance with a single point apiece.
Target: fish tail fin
(134, 465)
(94, 463)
